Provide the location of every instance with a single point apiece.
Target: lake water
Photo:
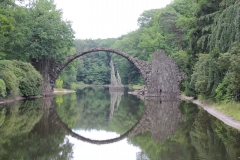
(95, 124)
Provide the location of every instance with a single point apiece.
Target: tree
(146, 16)
(206, 76)
(225, 29)
(93, 68)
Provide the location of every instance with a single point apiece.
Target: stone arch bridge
(161, 76)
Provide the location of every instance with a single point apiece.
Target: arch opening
(55, 71)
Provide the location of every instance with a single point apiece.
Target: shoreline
(225, 118)
(62, 91)
(18, 99)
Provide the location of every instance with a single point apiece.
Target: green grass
(230, 108)
(137, 86)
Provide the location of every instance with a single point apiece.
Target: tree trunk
(43, 66)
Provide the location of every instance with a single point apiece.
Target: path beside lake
(216, 113)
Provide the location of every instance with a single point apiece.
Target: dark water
(94, 124)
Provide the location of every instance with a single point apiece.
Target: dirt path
(210, 109)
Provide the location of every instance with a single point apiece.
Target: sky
(93, 19)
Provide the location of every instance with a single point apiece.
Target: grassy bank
(231, 108)
(137, 86)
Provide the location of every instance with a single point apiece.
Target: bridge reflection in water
(160, 117)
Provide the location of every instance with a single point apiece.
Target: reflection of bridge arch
(57, 120)
(160, 117)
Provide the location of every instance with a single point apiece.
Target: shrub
(2, 88)
(59, 83)
(11, 82)
(73, 86)
(224, 91)
(29, 79)
(20, 78)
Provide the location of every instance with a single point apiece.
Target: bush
(29, 79)
(2, 88)
(20, 78)
(10, 81)
(59, 83)
(73, 86)
(224, 91)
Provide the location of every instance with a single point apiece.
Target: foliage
(36, 33)
(29, 79)
(30, 136)
(6, 20)
(201, 136)
(2, 88)
(39, 31)
(59, 83)
(224, 91)
(69, 73)
(9, 78)
(59, 99)
(96, 114)
(93, 68)
(225, 30)
(18, 118)
(67, 108)
(206, 76)
(20, 77)
(73, 86)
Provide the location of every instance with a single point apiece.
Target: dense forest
(202, 36)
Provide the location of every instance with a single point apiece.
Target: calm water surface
(95, 124)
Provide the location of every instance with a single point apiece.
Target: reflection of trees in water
(156, 118)
(18, 118)
(159, 132)
(214, 140)
(42, 141)
(98, 104)
(201, 136)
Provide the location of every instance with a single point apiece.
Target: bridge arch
(161, 76)
(56, 69)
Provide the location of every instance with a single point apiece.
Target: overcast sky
(92, 19)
